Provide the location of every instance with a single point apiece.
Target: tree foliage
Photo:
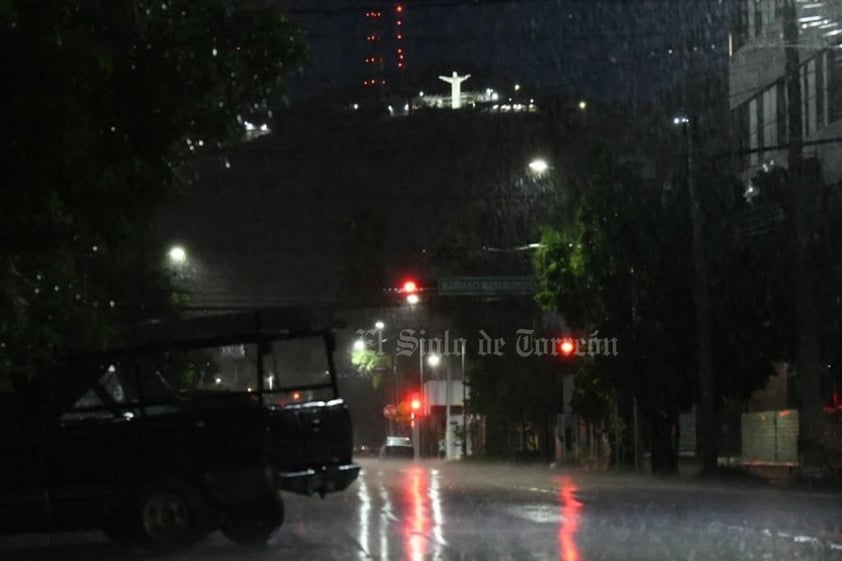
(625, 267)
(103, 106)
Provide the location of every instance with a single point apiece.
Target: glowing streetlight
(433, 360)
(177, 255)
(379, 326)
(413, 299)
(583, 105)
(539, 165)
(517, 87)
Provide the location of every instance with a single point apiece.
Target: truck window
(110, 393)
(299, 367)
(177, 374)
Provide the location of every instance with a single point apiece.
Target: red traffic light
(415, 404)
(567, 346)
(409, 287)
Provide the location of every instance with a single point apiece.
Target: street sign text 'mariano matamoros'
(486, 286)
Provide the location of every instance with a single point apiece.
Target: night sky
(596, 48)
(268, 228)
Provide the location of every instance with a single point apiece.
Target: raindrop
(227, 163)
(214, 51)
(37, 291)
(55, 288)
(164, 7)
(38, 276)
(201, 143)
(95, 248)
(111, 303)
(113, 128)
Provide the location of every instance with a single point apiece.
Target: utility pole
(707, 425)
(464, 406)
(803, 192)
(448, 443)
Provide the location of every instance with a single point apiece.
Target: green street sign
(486, 286)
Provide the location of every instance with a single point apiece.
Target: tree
(623, 268)
(104, 105)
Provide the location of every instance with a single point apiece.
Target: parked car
(179, 430)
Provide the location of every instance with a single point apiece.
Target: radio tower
(385, 56)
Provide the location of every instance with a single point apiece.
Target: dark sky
(271, 227)
(598, 48)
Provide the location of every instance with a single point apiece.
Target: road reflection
(570, 512)
(414, 525)
(422, 531)
(364, 516)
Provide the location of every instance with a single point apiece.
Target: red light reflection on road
(570, 512)
(417, 525)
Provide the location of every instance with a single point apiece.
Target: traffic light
(410, 289)
(416, 405)
(409, 286)
(566, 346)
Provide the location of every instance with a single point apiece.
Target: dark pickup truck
(179, 430)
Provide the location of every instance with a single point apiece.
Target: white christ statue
(455, 82)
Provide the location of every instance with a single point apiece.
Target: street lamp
(539, 166)
(379, 326)
(177, 255)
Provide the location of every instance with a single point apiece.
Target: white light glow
(177, 254)
(539, 165)
(412, 299)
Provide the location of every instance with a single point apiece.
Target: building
(761, 30)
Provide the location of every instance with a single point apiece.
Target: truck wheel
(171, 515)
(253, 524)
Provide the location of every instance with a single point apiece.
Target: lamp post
(177, 255)
(433, 361)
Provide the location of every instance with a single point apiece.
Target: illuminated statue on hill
(455, 82)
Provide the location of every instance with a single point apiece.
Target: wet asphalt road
(405, 511)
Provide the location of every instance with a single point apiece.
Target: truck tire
(170, 515)
(253, 524)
